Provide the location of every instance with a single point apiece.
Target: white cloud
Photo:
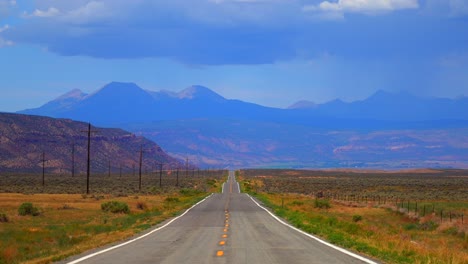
(5, 6)
(243, 1)
(88, 12)
(459, 7)
(451, 8)
(3, 42)
(51, 12)
(370, 7)
(93, 10)
(5, 27)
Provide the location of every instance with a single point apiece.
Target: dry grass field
(71, 223)
(382, 230)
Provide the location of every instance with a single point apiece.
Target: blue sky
(271, 52)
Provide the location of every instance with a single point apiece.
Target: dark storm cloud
(238, 32)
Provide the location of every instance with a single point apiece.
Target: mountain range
(121, 103)
(385, 130)
(25, 138)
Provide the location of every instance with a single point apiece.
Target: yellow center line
(220, 253)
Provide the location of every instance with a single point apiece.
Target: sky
(270, 52)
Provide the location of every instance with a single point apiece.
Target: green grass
(115, 207)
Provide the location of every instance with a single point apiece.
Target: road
(225, 228)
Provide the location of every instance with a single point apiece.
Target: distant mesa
(25, 137)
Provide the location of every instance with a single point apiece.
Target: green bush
(322, 203)
(3, 218)
(451, 231)
(115, 207)
(357, 218)
(172, 199)
(429, 226)
(28, 209)
(298, 203)
(411, 226)
(189, 192)
(142, 206)
(211, 182)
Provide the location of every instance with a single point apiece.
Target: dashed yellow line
(222, 243)
(220, 253)
(224, 236)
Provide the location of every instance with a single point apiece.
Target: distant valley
(387, 130)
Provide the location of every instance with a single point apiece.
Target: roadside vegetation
(38, 227)
(379, 228)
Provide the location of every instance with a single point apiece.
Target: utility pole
(120, 174)
(89, 131)
(160, 175)
(177, 177)
(73, 160)
(109, 173)
(139, 171)
(186, 167)
(43, 169)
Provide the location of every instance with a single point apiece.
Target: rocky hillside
(24, 138)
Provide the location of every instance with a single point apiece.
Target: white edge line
(222, 188)
(137, 238)
(313, 237)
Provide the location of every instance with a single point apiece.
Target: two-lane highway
(226, 228)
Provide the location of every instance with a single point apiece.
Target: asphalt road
(225, 228)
